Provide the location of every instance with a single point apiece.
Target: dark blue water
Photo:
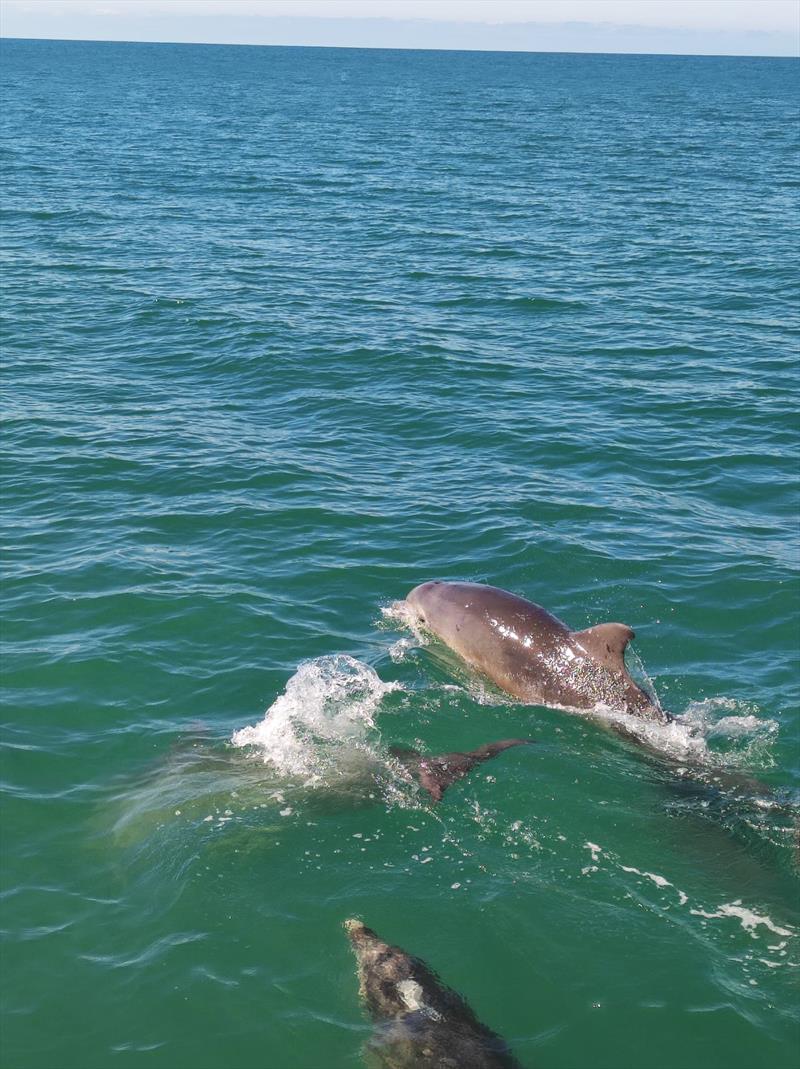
(286, 332)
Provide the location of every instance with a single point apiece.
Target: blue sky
(732, 27)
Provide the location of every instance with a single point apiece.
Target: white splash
(736, 726)
(738, 740)
(323, 720)
(399, 650)
(400, 614)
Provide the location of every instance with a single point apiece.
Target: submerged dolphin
(531, 654)
(194, 761)
(422, 1023)
(436, 773)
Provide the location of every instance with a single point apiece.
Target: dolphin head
(450, 612)
(386, 973)
(423, 602)
(439, 608)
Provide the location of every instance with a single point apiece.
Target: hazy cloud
(767, 27)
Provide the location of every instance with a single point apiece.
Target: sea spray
(323, 724)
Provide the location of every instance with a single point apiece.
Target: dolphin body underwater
(433, 773)
(531, 654)
(421, 1024)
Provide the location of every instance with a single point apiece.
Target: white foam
(323, 719)
(735, 727)
(733, 724)
(659, 881)
(748, 919)
(742, 739)
(595, 850)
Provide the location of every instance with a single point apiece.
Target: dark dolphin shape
(437, 772)
(422, 1023)
(531, 654)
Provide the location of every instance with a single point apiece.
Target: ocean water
(287, 332)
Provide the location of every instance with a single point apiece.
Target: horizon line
(399, 48)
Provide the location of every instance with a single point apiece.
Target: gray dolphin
(436, 773)
(422, 1023)
(531, 654)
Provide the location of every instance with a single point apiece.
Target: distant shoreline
(4, 38)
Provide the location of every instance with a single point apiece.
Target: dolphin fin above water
(437, 772)
(606, 644)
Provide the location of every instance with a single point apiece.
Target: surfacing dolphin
(531, 654)
(421, 1023)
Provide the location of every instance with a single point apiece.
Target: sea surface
(286, 332)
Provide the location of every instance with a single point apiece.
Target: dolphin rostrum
(421, 1023)
(437, 772)
(531, 654)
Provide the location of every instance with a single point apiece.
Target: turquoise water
(287, 332)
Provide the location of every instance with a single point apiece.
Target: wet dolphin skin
(528, 652)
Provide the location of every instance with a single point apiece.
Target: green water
(286, 333)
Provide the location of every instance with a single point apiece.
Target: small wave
(666, 893)
(519, 303)
(153, 952)
(323, 721)
(398, 650)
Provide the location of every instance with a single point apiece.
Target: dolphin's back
(530, 653)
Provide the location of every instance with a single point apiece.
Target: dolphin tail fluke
(436, 773)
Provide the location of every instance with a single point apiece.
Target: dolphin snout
(358, 933)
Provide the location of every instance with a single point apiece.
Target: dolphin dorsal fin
(605, 643)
